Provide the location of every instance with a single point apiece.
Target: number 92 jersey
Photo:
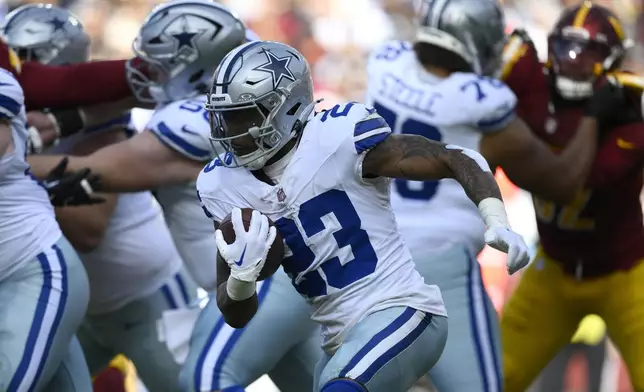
(458, 109)
(344, 252)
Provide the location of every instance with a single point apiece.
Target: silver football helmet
(47, 34)
(261, 96)
(178, 48)
(473, 29)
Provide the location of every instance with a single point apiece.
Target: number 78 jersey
(344, 252)
(460, 110)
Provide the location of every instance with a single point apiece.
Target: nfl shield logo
(281, 196)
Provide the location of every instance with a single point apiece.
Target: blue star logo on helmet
(184, 39)
(57, 24)
(277, 67)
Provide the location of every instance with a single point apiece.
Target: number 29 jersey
(459, 109)
(344, 252)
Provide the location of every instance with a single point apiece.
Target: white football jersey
(458, 110)
(184, 127)
(344, 251)
(137, 253)
(27, 221)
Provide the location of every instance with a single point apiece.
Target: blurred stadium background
(335, 36)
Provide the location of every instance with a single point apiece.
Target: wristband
(68, 122)
(239, 290)
(35, 141)
(493, 213)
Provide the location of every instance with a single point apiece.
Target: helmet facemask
(148, 79)
(577, 63)
(249, 130)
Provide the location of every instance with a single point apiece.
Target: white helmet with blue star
(262, 94)
(46, 33)
(179, 46)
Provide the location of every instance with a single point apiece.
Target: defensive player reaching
(182, 43)
(324, 179)
(43, 286)
(591, 251)
(126, 248)
(440, 87)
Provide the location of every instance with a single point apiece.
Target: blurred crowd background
(336, 36)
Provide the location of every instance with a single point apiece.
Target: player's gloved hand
(71, 188)
(247, 255)
(608, 101)
(507, 241)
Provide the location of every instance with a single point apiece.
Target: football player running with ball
(591, 254)
(180, 45)
(324, 179)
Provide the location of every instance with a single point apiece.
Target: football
(275, 254)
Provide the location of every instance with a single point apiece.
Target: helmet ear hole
(293, 109)
(263, 109)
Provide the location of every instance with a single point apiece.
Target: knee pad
(343, 385)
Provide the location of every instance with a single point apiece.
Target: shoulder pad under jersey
(518, 48)
(633, 87)
(353, 127)
(485, 103)
(183, 126)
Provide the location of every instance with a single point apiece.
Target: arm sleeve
(67, 86)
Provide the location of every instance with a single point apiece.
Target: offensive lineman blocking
(43, 287)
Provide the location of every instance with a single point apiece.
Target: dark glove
(608, 103)
(71, 188)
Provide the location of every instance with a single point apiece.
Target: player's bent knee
(343, 385)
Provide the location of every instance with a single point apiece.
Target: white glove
(507, 241)
(247, 255)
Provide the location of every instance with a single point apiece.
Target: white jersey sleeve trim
(369, 132)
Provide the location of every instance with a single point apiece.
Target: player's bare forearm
(417, 158)
(236, 313)
(532, 165)
(137, 164)
(580, 153)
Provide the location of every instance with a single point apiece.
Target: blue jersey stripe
(499, 122)
(10, 104)
(233, 61)
(165, 133)
(369, 125)
(371, 142)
